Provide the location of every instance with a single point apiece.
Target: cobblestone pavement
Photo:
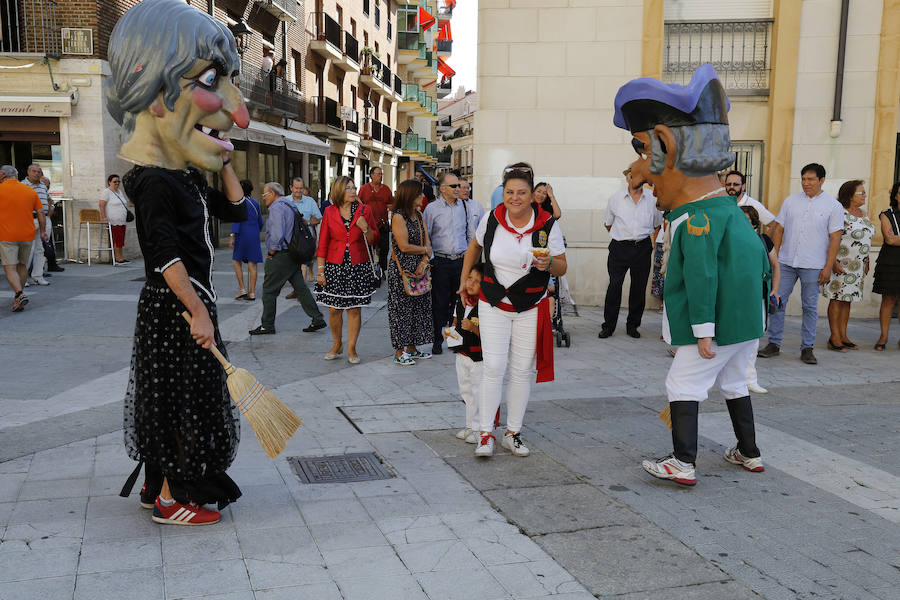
(577, 519)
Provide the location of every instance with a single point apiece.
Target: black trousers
(625, 256)
(445, 276)
(383, 232)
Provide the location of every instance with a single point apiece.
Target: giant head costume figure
(679, 132)
(171, 86)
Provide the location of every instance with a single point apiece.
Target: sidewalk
(577, 519)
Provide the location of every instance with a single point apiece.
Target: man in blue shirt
(311, 213)
(280, 267)
(447, 220)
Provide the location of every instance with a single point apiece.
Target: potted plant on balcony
(368, 68)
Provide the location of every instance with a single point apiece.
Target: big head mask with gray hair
(171, 87)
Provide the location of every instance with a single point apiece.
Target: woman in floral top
(851, 265)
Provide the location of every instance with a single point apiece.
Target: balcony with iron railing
(739, 50)
(325, 118)
(387, 77)
(386, 133)
(398, 85)
(398, 139)
(30, 27)
(351, 47)
(283, 10)
(377, 76)
(327, 36)
(267, 90)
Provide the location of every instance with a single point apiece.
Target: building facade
(549, 71)
(323, 81)
(456, 128)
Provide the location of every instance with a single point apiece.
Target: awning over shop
(444, 68)
(296, 141)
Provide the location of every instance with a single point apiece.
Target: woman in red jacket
(345, 278)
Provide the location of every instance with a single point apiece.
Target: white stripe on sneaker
(187, 516)
(176, 514)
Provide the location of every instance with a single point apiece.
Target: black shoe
(315, 326)
(633, 332)
(807, 356)
(436, 349)
(262, 331)
(47, 275)
(769, 351)
(604, 333)
(56, 269)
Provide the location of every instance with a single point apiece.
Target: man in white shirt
(631, 219)
(736, 185)
(807, 236)
(38, 259)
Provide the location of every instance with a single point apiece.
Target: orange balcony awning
(425, 18)
(444, 68)
(444, 34)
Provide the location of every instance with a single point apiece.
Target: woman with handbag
(409, 277)
(114, 210)
(345, 273)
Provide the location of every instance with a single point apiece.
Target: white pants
(468, 375)
(752, 378)
(507, 339)
(691, 376)
(37, 253)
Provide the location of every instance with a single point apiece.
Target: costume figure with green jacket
(714, 311)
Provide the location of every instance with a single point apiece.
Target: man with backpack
(289, 243)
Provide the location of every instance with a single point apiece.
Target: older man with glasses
(449, 228)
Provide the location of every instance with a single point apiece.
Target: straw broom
(272, 422)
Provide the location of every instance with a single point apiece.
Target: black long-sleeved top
(172, 219)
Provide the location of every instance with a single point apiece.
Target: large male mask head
(679, 132)
(171, 86)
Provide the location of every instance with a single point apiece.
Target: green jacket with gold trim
(717, 272)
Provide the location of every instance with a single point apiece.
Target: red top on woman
(334, 237)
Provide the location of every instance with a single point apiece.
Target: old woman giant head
(171, 85)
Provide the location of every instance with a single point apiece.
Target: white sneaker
(485, 445)
(671, 468)
(513, 443)
(756, 388)
(734, 456)
(472, 438)
(463, 433)
(41, 281)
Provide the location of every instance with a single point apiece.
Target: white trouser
(37, 254)
(691, 376)
(752, 379)
(468, 375)
(507, 339)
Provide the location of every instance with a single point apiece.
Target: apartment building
(549, 70)
(456, 128)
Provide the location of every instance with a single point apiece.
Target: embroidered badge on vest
(698, 231)
(542, 238)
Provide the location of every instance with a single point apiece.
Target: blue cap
(643, 103)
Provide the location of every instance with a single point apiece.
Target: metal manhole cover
(344, 468)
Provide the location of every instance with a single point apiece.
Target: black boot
(741, 412)
(684, 430)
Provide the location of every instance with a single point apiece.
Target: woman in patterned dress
(850, 266)
(345, 278)
(409, 317)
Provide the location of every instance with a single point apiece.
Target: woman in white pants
(523, 246)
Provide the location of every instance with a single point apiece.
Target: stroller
(560, 294)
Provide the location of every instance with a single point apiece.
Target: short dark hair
(247, 186)
(815, 167)
(893, 198)
(738, 173)
(372, 170)
(296, 178)
(845, 193)
(754, 216)
(519, 170)
(479, 268)
(111, 177)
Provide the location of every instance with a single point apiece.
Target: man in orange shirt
(379, 199)
(17, 203)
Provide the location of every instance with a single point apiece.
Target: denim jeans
(809, 296)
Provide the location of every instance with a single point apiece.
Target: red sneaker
(184, 514)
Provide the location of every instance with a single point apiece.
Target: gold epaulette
(698, 231)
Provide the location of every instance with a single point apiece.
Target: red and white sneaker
(671, 468)
(184, 514)
(485, 445)
(734, 456)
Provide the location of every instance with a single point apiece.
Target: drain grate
(343, 468)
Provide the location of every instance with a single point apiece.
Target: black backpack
(302, 245)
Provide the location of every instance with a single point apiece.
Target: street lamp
(241, 33)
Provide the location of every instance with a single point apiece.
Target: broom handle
(213, 349)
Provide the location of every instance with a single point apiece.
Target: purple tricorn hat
(643, 103)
